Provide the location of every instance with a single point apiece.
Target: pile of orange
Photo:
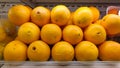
(62, 34)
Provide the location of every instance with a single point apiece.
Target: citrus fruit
(1, 51)
(86, 51)
(111, 23)
(72, 34)
(40, 16)
(28, 32)
(6, 40)
(9, 27)
(17, 38)
(15, 51)
(19, 14)
(70, 22)
(60, 15)
(3, 34)
(30, 9)
(82, 17)
(51, 33)
(96, 13)
(38, 51)
(109, 51)
(62, 51)
(95, 33)
(99, 21)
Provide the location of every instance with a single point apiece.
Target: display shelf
(75, 1)
(61, 63)
(78, 1)
(9, 1)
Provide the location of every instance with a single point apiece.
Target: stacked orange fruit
(62, 34)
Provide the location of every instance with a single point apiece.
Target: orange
(111, 23)
(38, 51)
(86, 51)
(83, 17)
(51, 33)
(28, 32)
(3, 33)
(72, 34)
(70, 22)
(19, 14)
(30, 9)
(62, 51)
(16, 38)
(96, 13)
(1, 51)
(98, 21)
(40, 16)
(109, 51)
(15, 51)
(6, 41)
(95, 33)
(9, 27)
(60, 15)
(3, 44)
